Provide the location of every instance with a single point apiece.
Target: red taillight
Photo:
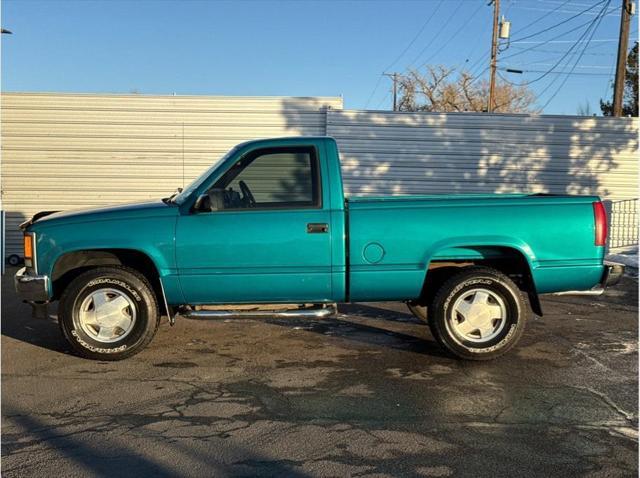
(601, 223)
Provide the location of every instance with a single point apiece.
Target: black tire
(125, 281)
(418, 311)
(14, 260)
(470, 279)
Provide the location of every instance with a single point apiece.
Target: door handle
(317, 227)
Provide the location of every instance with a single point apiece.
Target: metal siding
(64, 151)
(411, 153)
(391, 153)
(67, 151)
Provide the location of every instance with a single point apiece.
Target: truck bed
(393, 239)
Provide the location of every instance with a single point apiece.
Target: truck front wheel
(478, 314)
(108, 313)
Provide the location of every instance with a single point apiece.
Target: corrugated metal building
(62, 151)
(66, 151)
(409, 153)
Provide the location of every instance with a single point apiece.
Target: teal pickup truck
(267, 231)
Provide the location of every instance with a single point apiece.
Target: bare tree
(443, 89)
(584, 109)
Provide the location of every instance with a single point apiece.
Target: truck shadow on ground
(387, 328)
(43, 333)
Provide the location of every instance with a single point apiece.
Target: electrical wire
(558, 77)
(417, 35)
(569, 72)
(611, 12)
(550, 40)
(573, 4)
(578, 60)
(538, 50)
(567, 20)
(375, 88)
(381, 102)
(571, 41)
(536, 21)
(570, 50)
(456, 33)
(435, 37)
(424, 25)
(597, 67)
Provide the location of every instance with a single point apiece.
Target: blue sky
(297, 48)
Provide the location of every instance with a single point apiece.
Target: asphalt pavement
(368, 393)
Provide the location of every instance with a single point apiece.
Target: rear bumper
(612, 274)
(31, 288)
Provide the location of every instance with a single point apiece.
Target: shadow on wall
(431, 153)
(12, 252)
(122, 149)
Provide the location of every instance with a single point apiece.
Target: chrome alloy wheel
(478, 315)
(107, 315)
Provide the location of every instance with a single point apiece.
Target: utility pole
(621, 66)
(394, 77)
(494, 56)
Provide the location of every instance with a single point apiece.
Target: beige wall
(407, 153)
(66, 151)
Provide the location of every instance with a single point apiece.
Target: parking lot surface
(368, 393)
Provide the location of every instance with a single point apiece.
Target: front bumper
(31, 288)
(612, 274)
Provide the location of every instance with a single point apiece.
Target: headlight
(29, 249)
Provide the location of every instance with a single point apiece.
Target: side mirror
(201, 203)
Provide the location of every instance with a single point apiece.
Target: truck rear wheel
(108, 313)
(478, 314)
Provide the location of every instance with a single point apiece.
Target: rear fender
(486, 248)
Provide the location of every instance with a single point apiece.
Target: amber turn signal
(28, 246)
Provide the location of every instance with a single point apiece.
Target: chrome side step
(594, 292)
(317, 312)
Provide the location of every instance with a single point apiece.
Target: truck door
(261, 233)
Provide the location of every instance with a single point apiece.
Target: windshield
(196, 183)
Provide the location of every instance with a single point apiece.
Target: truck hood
(121, 211)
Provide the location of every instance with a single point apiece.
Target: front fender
(154, 237)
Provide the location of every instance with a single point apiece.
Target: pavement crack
(608, 401)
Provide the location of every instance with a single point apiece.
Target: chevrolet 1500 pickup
(268, 224)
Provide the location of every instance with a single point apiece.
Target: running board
(318, 312)
(596, 291)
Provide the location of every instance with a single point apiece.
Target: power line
(567, 20)
(383, 99)
(570, 50)
(457, 32)
(543, 17)
(612, 12)
(573, 4)
(543, 50)
(602, 67)
(553, 39)
(569, 41)
(555, 72)
(424, 25)
(579, 57)
(375, 88)
(435, 37)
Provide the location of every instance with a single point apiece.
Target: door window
(270, 178)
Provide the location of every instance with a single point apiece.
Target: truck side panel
(393, 240)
